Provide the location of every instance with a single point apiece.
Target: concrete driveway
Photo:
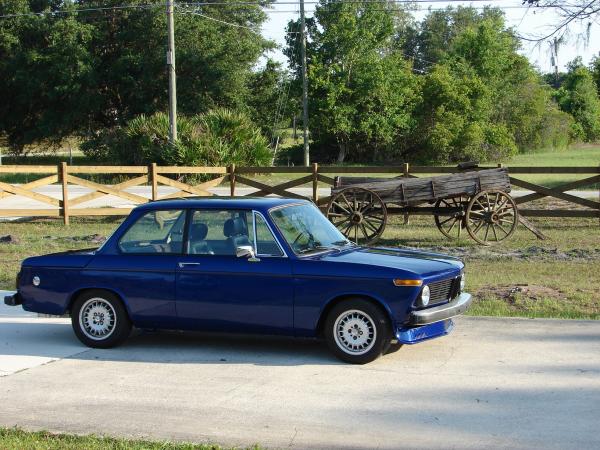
(493, 383)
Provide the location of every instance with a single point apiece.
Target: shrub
(217, 138)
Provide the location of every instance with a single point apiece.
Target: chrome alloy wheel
(97, 319)
(354, 332)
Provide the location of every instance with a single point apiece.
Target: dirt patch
(520, 294)
(93, 238)
(9, 239)
(528, 253)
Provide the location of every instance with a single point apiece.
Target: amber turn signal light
(399, 282)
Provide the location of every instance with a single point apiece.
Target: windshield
(307, 230)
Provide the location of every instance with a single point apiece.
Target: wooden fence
(315, 176)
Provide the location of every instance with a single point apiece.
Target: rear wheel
(99, 319)
(357, 331)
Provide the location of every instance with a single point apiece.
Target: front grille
(443, 290)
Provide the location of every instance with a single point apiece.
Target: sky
(530, 22)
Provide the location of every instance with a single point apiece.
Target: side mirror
(244, 251)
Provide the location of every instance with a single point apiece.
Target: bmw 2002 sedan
(270, 266)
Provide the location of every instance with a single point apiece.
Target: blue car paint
(280, 295)
(415, 335)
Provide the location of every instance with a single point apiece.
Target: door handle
(186, 264)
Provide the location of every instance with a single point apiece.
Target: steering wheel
(302, 233)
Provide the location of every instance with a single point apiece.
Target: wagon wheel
(492, 216)
(452, 224)
(359, 214)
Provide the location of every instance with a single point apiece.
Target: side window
(155, 232)
(219, 232)
(266, 245)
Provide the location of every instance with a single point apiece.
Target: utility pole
(171, 67)
(304, 86)
(556, 62)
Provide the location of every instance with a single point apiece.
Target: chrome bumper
(431, 315)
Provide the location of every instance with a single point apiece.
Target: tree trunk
(342, 153)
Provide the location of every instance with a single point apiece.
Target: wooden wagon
(475, 201)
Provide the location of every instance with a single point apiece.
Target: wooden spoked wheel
(359, 214)
(451, 225)
(492, 217)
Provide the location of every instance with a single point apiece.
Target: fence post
(315, 182)
(406, 216)
(62, 174)
(153, 180)
(232, 180)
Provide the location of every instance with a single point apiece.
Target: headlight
(425, 296)
(462, 282)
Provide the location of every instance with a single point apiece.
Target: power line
(273, 11)
(341, 2)
(80, 10)
(230, 24)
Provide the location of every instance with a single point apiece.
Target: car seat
(198, 245)
(236, 232)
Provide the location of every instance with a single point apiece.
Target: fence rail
(153, 175)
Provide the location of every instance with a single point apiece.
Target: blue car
(246, 265)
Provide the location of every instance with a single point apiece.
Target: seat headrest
(198, 231)
(234, 227)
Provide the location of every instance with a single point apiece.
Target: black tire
(392, 348)
(103, 307)
(361, 316)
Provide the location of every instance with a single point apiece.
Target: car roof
(260, 203)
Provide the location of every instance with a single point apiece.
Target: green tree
(595, 69)
(268, 101)
(579, 97)
(362, 89)
(45, 63)
(84, 71)
(483, 100)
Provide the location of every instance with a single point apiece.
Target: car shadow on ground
(56, 340)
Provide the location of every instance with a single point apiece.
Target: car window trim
(283, 252)
(182, 252)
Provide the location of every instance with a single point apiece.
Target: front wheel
(357, 331)
(99, 319)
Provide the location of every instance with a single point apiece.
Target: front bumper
(13, 300)
(414, 335)
(443, 312)
(434, 322)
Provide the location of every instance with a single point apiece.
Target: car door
(141, 268)
(218, 291)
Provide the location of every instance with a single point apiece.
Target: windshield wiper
(319, 248)
(342, 243)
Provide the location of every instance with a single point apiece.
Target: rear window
(155, 232)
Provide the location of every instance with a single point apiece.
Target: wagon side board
(413, 191)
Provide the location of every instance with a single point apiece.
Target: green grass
(564, 267)
(578, 155)
(15, 438)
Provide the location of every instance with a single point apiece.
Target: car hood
(69, 258)
(422, 264)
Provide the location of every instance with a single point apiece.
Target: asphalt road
(493, 383)
(19, 202)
